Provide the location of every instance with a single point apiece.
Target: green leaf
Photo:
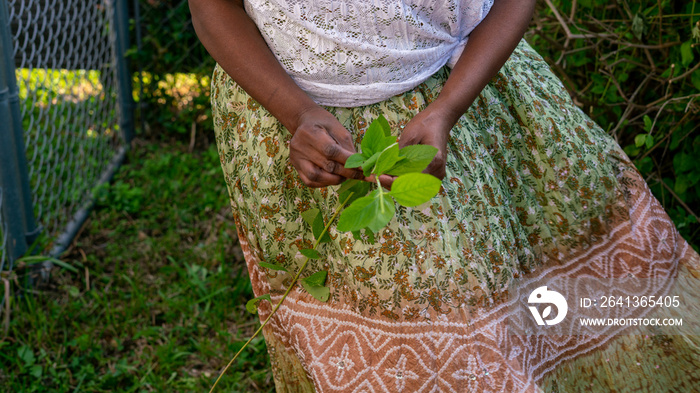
(372, 140)
(417, 159)
(667, 73)
(694, 178)
(687, 53)
(695, 79)
(579, 59)
(310, 215)
(377, 137)
(63, 264)
(373, 211)
(40, 259)
(370, 235)
(649, 141)
(36, 371)
(73, 291)
(26, 354)
(359, 189)
(318, 228)
(310, 253)
(315, 221)
(681, 185)
(646, 165)
(369, 164)
(647, 123)
(316, 279)
(683, 163)
(385, 211)
(356, 216)
(387, 159)
(384, 124)
(315, 285)
(273, 266)
(631, 150)
(638, 26)
(355, 160)
(347, 184)
(322, 294)
(252, 305)
(357, 235)
(640, 140)
(413, 189)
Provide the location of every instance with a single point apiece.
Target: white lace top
(357, 52)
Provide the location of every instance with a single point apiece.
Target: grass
(158, 300)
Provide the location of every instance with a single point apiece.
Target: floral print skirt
(533, 187)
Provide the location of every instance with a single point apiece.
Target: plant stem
(294, 282)
(381, 193)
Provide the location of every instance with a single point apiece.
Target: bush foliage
(173, 87)
(634, 67)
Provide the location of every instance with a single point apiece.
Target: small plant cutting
(362, 207)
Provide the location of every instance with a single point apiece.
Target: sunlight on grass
(49, 86)
(183, 87)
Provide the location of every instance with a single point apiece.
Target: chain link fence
(67, 91)
(66, 116)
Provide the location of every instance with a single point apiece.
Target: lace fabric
(353, 53)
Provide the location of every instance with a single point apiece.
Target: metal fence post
(17, 204)
(126, 100)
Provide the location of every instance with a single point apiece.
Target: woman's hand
(429, 127)
(319, 148)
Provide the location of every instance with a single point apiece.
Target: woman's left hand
(429, 127)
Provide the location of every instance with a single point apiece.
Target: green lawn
(158, 300)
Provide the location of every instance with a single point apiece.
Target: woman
(531, 189)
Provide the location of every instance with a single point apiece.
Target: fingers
(315, 177)
(319, 157)
(342, 137)
(407, 141)
(385, 180)
(333, 160)
(420, 134)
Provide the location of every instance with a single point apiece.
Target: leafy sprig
(379, 155)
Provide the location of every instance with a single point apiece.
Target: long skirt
(533, 189)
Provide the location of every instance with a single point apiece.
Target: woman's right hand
(319, 148)
(320, 144)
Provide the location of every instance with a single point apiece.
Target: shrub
(633, 67)
(173, 88)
